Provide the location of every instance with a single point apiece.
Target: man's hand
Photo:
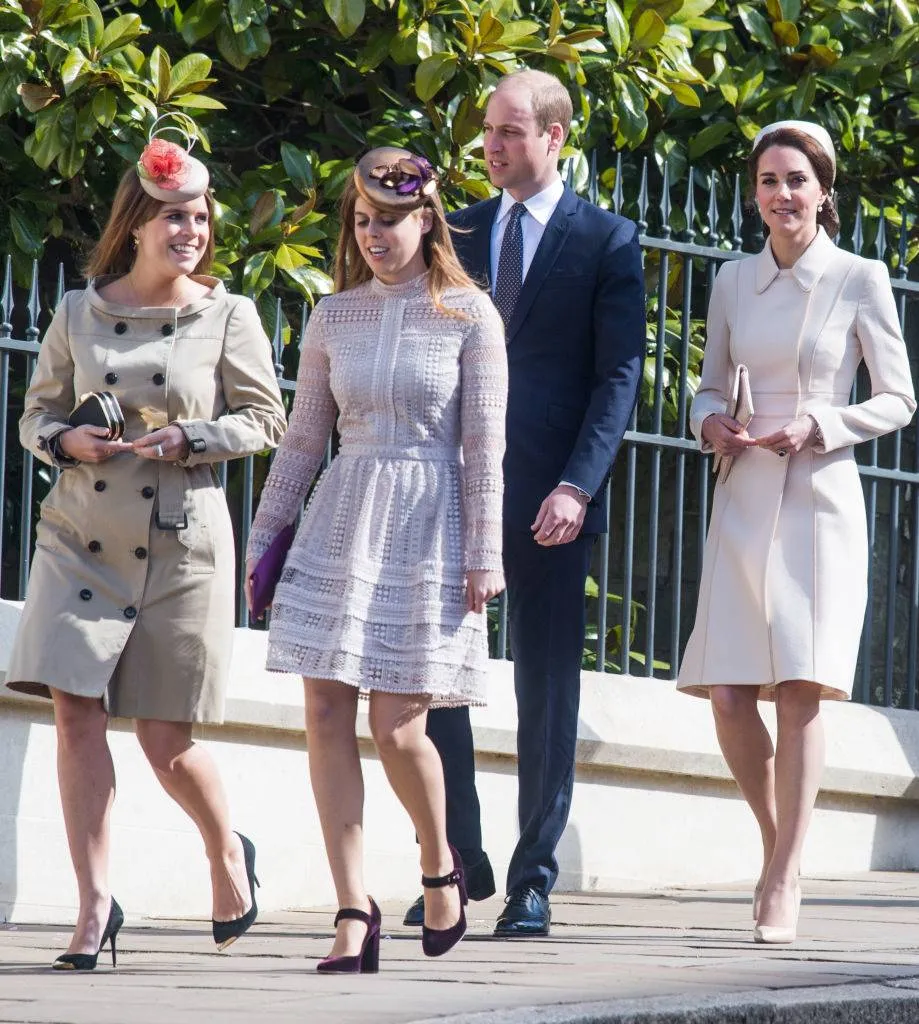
(560, 517)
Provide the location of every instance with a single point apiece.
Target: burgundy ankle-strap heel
(368, 960)
(437, 941)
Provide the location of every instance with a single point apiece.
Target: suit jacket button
(111, 378)
(167, 329)
(158, 379)
(148, 491)
(140, 553)
(99, 485)
(94, 546)
(120, 327)
(130, 612)
(86, 595)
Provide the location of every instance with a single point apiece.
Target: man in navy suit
(567, 278)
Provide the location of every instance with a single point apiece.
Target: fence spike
(902, 269)
(665, 202)
(59, 292)
(593, 183)
(857, 233)
(690, 232)
(713, 210)
(304, 319)
(33, 305)
(643, 198)
(6, 300)
(736, 215)
(880, 243)
(277, 341)
(617, 188)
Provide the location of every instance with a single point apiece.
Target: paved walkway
(678, 948)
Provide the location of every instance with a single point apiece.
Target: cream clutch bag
(739, 408)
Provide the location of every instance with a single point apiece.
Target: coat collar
(218, 292)
(808, 269)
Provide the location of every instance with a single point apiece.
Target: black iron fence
(643, 589)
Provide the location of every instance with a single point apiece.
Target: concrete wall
(653, 803)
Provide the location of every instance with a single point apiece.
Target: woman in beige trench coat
(783, 588)
(129, 609)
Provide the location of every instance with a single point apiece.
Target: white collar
(808, 268)
(540, 207)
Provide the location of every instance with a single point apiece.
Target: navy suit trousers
(547, 617)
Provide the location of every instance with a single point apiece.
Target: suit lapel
(550, 245)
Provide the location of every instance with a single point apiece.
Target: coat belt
(170, 499)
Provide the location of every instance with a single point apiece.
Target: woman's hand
(251, 563)
(166, 445)
(800, 433)
(481, 586)
(89, 444)
(725, 434)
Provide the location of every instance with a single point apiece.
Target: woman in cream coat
(129, 609)
(783, 588)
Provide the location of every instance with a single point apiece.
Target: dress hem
(766, 690)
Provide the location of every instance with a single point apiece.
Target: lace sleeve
(483, 368)
(300, 453)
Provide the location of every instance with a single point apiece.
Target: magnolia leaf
(708, 138)
(36, 97)
(617, 27)
(515, 31)
(104, 107)
(648, 30)
(310, 280)
(562, 51)
(263, 211)
(347, 15)
(121, 31)
(258, 273)
(786, 33)
(26, 235)
(196, 101)
(433, 74)
(191, 69)
(685, 94)
(297, 165)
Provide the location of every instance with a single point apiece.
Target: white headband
(816, 131)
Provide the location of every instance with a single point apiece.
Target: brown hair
(132, 207)
(444, 268)
(819, 159)
(550, 99)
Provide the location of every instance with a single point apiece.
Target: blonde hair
(550, 99)
(114, 252)
(444, 268)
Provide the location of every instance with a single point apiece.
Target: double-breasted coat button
(140, 552)
(147, 491)
(85, 595)
(130, 612)
(111, 378)
(99, 485)
(167, 329)
(94, 546)
(158, 379)
(120, 327)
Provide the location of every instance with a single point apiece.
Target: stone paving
(684, 944)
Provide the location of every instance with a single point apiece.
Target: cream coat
(118, 607)
(783, 588)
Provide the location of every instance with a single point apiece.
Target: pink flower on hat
(164, 163)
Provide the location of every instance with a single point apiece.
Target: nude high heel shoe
(776, 934)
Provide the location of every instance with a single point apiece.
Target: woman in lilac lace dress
(385, 585)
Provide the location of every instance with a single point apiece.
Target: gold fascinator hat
(394, 178)
(167, 171)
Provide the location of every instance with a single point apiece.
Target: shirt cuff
(580, 490)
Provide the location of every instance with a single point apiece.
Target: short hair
(550, 99)
(132, 207)
(820, 160)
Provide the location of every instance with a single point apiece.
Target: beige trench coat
(120, 604)
(783, 589)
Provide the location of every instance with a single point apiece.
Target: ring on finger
(159, 450)
(781, 453)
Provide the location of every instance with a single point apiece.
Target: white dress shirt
(532, 224)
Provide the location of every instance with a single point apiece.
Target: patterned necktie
(509, 279)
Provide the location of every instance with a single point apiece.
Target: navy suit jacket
(575, 348)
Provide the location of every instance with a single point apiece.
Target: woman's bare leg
(338, 787)
(747, 748)
(799, 759)
(86, 778)
(416, 774)
(188, 774)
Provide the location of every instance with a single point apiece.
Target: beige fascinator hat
(816, 131)
(168, 172)
(394, 178)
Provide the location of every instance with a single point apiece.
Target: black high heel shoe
(87, 961)
(437, 941)
(227, 932)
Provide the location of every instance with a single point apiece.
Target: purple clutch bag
(267, 571)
